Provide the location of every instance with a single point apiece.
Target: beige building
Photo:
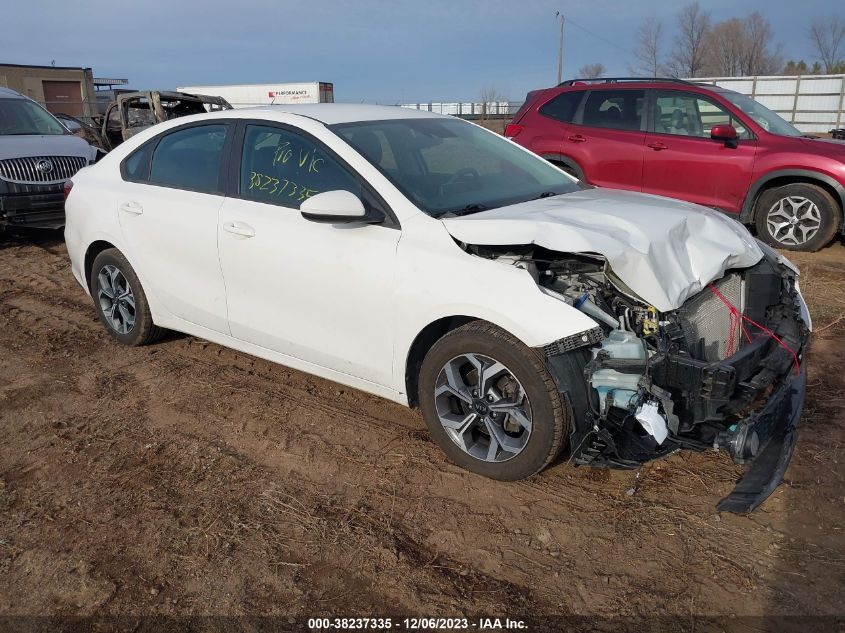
(61, 89)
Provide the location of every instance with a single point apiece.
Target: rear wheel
(120, 300)
(797, 217)
(490, 403)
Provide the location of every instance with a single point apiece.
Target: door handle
(239, 228)
(577, 138)
(657, 146)
(132, 207)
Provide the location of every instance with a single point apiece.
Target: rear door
(544, 131)
(607, 139)
(168, 208)
(682, 161)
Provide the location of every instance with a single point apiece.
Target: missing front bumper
(780, 416)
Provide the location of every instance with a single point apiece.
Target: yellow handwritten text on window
(279, 187)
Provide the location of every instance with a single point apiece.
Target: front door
(321, 293)
(682, 161)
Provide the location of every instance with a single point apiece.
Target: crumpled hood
(12, 146)
(664, 250)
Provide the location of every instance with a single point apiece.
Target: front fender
(451, 282)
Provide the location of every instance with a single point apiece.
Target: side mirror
(724, 133)
(335, 207)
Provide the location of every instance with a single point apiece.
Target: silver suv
(37, 155)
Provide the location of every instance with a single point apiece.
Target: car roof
(661, 83)
(8, 93)
(331, 113)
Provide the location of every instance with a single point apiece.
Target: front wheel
(797, 217)
(490, 403)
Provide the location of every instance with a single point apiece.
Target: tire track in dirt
(165, 468)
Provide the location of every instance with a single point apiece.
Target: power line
(596, 35)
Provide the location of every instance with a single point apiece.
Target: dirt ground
(187, 479)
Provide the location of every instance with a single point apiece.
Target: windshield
(761, 115)
(22, 116)
(450, 166)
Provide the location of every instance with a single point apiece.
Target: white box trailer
(248, 95)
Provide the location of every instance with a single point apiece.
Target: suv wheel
(120, 300)
(490, 403)
(797, 217)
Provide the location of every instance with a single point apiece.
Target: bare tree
(647, 53)
(725, 45)
(591, 71)
(760, 56)
(490, 99)
(828, 37)
(688, 52)
(741, 47)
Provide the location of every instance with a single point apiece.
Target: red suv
(695, 142)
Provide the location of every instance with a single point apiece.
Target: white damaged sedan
(426, 260)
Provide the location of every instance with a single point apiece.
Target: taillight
(513, 129)
(67, 187)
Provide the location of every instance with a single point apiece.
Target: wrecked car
(132, 112)
(424, 259)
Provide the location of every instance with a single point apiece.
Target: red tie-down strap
(738, 318)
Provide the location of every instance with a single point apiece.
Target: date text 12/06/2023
(418, 624)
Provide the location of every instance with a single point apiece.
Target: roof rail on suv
(613, 80)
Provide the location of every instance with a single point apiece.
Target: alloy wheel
(116, 299)
(483, 407)
(793, 220)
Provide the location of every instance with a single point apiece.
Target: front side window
(448, 166)
(285, 168)
(19, 117)
(563, 107)
(190, 158)
(688, 114)
(615, 109)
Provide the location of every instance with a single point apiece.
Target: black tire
(569, 169)
(828, 212)
(143, 331)
(549, 412)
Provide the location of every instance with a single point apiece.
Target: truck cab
(133, 112)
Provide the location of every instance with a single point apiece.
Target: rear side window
(563, 107)
(137, 166)
(189, 159)
(616, 109)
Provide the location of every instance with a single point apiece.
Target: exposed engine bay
(722, 371)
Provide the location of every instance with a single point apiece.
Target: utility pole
(560, 48)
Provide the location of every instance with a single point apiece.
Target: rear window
(616, 109)
(563, 107)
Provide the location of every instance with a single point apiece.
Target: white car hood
(24, 146)
(664, 250)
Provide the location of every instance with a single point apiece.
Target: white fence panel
(828, 118)
(818, 102)
(813, 103)
(778, 104)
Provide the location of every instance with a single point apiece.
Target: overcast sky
(372, 50)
